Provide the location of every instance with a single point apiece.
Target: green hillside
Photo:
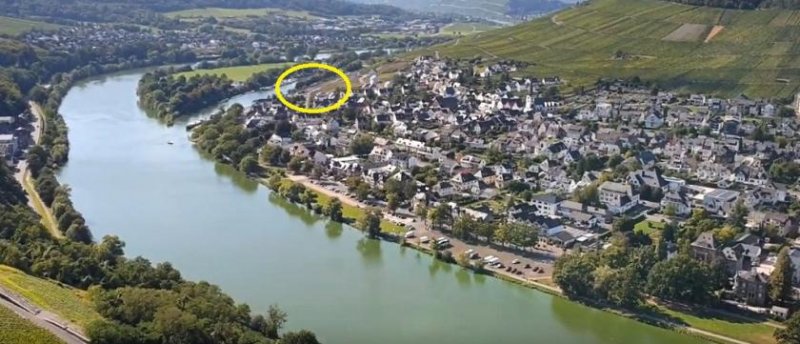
(702, 49)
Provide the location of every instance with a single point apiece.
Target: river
(168, 203)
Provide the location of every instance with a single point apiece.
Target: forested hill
(137, 10)
(744, 4)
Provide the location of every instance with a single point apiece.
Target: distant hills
(691, 48)
(498, 10)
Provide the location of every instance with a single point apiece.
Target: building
(546, 204)
(720, 201)
(751, 287)
(619, 198)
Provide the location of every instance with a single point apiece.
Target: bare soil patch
(714, 31)
(687, 33)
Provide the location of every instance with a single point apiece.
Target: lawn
(648, 227)
(749, 55)
(15, 26)
(237, 73)
(16, 330)
(222, 13)
(753, 332)
(70, 303)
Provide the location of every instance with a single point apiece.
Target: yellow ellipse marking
(348, 88)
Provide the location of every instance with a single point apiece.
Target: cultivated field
(69, 303)
(238, 73)
(16, 330)
(222, 13)
(754, 49)
(465, 28)
(15, 26)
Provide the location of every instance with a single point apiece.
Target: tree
(392, 201)
(463, 226)
(574, 274)
(682, 279)
(371, 222)
(276, 318)
(274, 182)
(790, 334)
(780, 281)
(362, 144)
(362, 191)
(300, 337)
(248, 165)
(440, 216)
(738, 215)
(334, 210)
(296, 164)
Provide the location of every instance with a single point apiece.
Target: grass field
(749, 331)
(70, 303)
(752, 50)
(238, 73)
(465, 28)
(15, 26)
(221, 13)
(648, 227)
(16, 330)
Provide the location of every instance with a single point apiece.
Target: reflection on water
(464, 277)
(295, 210)
(370, 250)
(334, 229)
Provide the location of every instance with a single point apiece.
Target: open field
(67, 302)
(754, 50)
(15, 26)
(222, 13)
(16, 330)
(238, 73)
(465, 28)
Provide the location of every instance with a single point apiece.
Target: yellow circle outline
(348, 91)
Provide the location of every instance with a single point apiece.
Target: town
(580, 169)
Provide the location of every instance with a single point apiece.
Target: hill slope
(702, 49)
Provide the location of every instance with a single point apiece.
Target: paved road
(22, 167)
(46, 320)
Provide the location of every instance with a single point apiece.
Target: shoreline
(638, 316)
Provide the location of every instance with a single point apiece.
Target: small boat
(170, 143)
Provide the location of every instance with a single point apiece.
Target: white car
(409, 234)
(424, 239)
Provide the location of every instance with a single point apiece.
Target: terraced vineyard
(14, 329)
(713, 50)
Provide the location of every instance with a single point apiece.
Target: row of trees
(465, 227)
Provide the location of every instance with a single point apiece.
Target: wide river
(168, 203)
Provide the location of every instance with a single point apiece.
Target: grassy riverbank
(14, 329)
(350, 212)
(67, 302)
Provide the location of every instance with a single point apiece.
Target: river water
(168, 203)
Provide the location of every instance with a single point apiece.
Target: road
(21, 175)
(46, 320)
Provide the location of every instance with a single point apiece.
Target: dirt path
(714, 31)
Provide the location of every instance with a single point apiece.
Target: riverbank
(24, 178)
(716, 330)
